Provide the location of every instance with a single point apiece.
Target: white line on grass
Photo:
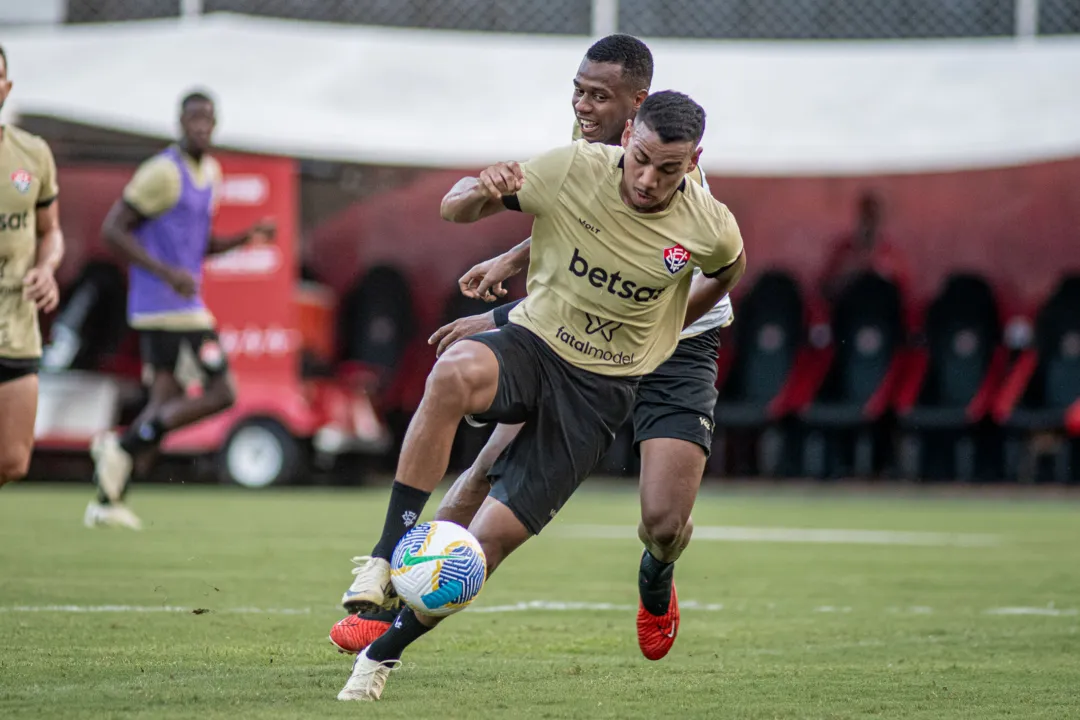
(1048, 611)
(793, 535)
(149, 609)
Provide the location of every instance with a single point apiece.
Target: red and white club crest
(21, 180)
(675, 258)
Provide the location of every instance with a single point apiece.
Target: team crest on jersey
(675, 258)
(21, 180)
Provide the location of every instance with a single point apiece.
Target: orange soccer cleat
(656, 633)
(353, 633)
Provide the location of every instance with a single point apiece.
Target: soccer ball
(438, 568)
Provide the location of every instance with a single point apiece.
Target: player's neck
(185, 147)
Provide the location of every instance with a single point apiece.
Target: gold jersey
(607, 285)
(27, 183)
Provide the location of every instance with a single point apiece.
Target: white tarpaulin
(443, 99)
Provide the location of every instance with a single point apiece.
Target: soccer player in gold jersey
(617, 234)
(674, 408)
(31, 247)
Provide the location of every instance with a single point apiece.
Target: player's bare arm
(484, 281)
(39, 284)
(118, 229)
(475, 198)
(706, 291)
(261, 232)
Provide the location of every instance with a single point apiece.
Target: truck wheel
(259, 453)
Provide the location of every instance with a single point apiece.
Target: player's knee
(14, 467)
(663, 527)
(456, 379)
(223, 391)
(494, 553)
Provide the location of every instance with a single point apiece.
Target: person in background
(162, 228)
(865, 249)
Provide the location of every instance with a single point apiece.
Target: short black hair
(196, 96)
(673, 116)
(626, 51)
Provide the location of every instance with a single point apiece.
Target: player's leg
(464, 381)
(671, 471)
(673, 429)
(572, 417)
(18, 398)
(353, 633)
(114, 464)
(467, 494)
(499, 532)
(197, 356)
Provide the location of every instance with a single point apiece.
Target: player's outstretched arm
(484, 281)
(261, 232)
(473, 199)
(706, 291)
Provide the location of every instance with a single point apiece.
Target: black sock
(654, 584)
(102, 498)
(386, 616)
(406, 504)
(143, 435)
(405, 630)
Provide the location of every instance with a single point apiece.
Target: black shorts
(677, 399)
(570, 415)
(15, 368)
(187, 355)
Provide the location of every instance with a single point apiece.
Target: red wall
(1018, 226)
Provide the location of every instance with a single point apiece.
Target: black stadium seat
(1042, 385)
(868, 357)
(948, 386)
(769, 333)
(377, 321)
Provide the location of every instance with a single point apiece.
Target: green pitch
(220, 609)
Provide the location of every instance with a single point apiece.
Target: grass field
(951, 608)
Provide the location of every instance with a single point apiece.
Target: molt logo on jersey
(675, 258)
(21, 180)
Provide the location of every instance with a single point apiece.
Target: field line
(149, 609)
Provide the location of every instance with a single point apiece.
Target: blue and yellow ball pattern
(438, 568)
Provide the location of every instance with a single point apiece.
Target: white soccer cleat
(98, 515)
(112, 465)
(368, 678)
(371, 590)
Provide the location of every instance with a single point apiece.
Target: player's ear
(639, 98)
(627, 132)
(694, 160)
